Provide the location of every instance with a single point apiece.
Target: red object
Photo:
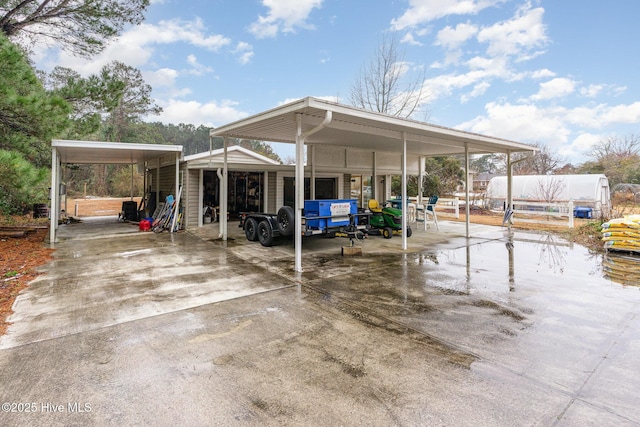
(145, 225)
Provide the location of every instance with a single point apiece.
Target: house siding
(190, 200)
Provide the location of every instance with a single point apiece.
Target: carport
(312, 121)
(99, 152)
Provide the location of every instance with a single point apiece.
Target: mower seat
(374, 206)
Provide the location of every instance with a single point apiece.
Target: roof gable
(235, 154)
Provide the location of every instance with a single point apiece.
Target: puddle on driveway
(480, 297)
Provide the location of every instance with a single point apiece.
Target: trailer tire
(409, 232)
(286, 220)
(251, 229)
(387, 232)
(265, 233)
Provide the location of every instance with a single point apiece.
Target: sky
(560, 73)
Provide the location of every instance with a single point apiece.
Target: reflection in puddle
(621, 268)
(499, 266)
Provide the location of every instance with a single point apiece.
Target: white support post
(224, 193)
(53, 215)
(299, 193)
(313, 172)
(420, 179)
(177, 187)
(509, 187)
(200, 196)
(570, 207)
(404, 191)
(157, 183)
(467, 209)
(374, 178)
(265, 192)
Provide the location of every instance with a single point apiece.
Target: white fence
(448, 204)
(523, 211)
(542, 209)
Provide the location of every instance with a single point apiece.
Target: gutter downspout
(510, 166)
(299, 182)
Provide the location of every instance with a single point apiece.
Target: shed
(591, 190)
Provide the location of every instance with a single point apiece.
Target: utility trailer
(329, 218)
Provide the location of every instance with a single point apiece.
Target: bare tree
(618, 157)
(543, 162)
(386, 86)
(549, 189)
(614, 146)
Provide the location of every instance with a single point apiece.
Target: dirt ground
(20, 256)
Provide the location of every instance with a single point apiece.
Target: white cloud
(452, 38)
(244, 51)
(518, 36)
(568, 130)
(164, 77)
(424, 11)
(542, 74)
(136, 46)
(410, 39)
(591, 91)
(207, 114)
(283, 16)
(478, 90)
(482, 70)
(197, 69)
(522, 122)
(555, 88)
(580, 146)
(622, 114)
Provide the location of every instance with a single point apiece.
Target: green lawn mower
(385, 220)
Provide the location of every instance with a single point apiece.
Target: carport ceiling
(96, 152)
(353, 127)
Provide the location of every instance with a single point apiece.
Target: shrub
(21, 184)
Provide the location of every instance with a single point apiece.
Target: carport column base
(351, 250)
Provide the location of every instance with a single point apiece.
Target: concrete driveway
(128, 328)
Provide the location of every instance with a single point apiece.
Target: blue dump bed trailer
(331, 218)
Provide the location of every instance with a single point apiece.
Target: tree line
(37, 106)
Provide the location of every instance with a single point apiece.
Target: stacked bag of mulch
(622, 234)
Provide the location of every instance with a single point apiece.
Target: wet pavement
(129, 328)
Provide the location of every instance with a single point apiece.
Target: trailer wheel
(251, 229)
(265, 233)
(387, 232)
(409, 232)
(286, 220)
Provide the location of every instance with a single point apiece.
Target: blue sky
(563, 73)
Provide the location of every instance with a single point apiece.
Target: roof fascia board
(114, 145)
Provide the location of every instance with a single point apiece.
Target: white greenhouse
(591, 190)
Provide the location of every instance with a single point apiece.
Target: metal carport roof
(354, 127)
(310, 121)
(100, 152)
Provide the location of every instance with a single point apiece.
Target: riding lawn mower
(385, 220)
